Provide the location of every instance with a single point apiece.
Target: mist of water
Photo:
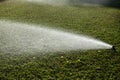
(51, 2)
(21, 37)
(72, 2)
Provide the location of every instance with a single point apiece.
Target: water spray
(72, 2)
(21, 37)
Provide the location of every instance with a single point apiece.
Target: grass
(99, 22)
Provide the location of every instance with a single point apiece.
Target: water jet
(22, 37)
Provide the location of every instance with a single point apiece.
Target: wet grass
(99, 22)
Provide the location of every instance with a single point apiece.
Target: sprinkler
(113, 48)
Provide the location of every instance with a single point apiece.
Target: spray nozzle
(113, 48)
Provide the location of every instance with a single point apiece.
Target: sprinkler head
(113, 48)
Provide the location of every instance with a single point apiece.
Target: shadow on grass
(2, 0)
(114, 3)
(107, 3)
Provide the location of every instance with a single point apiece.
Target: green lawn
(99, 22)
